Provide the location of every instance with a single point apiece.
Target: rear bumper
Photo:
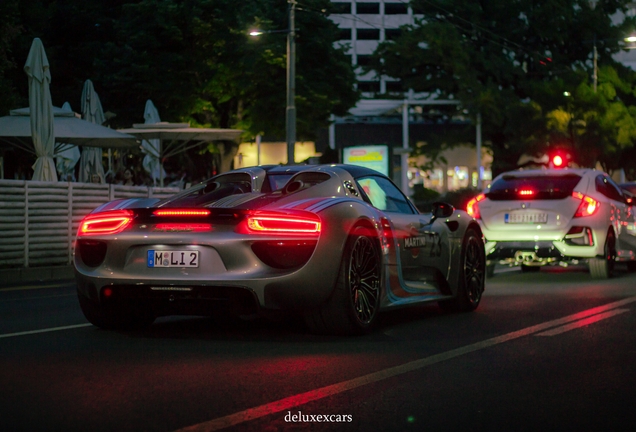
(539, 252)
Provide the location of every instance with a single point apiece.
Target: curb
(16, 276)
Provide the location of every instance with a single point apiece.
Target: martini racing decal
(430, 239)
(415, 242)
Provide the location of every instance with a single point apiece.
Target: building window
(457, 178)
(434, 180)
(340, 8)
(396, 9)
(368, 34)
(344, 34)
(368, 8)
(394, 87)
(369, 86)
(364, 60)
(392, 34)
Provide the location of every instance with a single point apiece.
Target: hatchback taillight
(588, 206)
(472, 208)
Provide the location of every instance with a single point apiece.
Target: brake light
(588, 205)
(182, 212)
(472, 208)
(278, 223)
(526, 192)
(110, 222)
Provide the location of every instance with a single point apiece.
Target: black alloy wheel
(364, 279)
(474, 268)
(603, 268)
(353, 306)
(472, 278)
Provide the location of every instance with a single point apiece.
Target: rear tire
(119, 316)
(631, 266)
(353, 306)
(603, 268)
(472, 276)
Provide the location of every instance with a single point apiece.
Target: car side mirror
(442, 210)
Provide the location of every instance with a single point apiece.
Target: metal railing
(39, 220)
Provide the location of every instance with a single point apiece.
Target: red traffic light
(557, 161)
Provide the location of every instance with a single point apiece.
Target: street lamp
(290, 111)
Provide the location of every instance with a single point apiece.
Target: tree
(599, 126)
(511, 61)
(9, 31)
(193, 58)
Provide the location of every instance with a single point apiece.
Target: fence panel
(39, 220)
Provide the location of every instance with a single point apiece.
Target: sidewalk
(17, 276)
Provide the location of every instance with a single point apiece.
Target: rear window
(215, 189)
(277, 181)
(542, 187)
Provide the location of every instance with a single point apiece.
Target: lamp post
(290, 110)
(290, 118)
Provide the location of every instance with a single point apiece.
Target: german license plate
(175, 258)
(520, 217)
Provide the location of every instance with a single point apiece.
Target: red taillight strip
(110, 222)
(283, 224)
(588, 205)
(182, 212)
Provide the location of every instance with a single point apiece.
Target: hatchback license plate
(526, 218)
(179, 258)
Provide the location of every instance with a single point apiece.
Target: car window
(544, 187)
(277, 181)
(215, 189)
(384, 195)
(607, 187)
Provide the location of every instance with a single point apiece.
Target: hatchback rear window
(541, 187)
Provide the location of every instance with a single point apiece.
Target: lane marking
(37, 298)
(582, 323)
(34, 287)
(323, 392)
(52, 329)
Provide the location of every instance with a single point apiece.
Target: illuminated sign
(374, 157)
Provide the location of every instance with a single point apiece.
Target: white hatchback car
(539, 217)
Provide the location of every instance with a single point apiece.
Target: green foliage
(9, 30)
(194, 59)
(598, 126)
(424, 198)
(511, 61)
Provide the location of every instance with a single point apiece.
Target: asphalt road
(553, 350)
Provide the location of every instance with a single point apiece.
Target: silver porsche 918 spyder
(336, 243)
